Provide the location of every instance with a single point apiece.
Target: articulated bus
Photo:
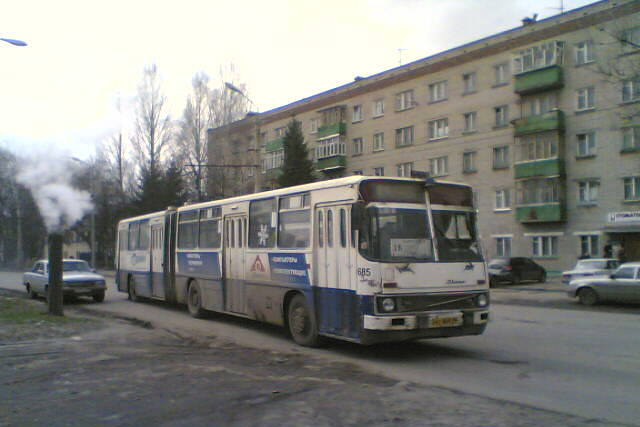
(363, 259)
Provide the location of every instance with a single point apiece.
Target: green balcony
(539, 80)
(553, 120)
(272, 173)
(332, 163)
(334, 129)
(548, 167)
(551, 212)
(274, 145)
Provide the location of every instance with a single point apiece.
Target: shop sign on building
(623, 217)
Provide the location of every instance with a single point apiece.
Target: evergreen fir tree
(297, 167)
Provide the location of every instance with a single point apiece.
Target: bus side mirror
(357, 211)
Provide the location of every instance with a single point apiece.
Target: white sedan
(77, 276)
(623, 285)
(591, 267)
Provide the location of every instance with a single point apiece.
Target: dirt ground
(110, 372)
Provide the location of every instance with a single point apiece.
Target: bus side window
(330, 228)
(343, 228)
(320, 230)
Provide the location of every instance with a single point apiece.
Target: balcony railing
(539, 80)
(550, 121)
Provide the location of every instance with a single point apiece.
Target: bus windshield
(456, 235)
(396, 235)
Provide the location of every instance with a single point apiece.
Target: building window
(357, 113)
(378, 171)
(313, 125)
(272, 160)
(438, 166)
(404, 136)
(469, 162)
(540, 104)
(470, 121)
(358, 146)
(538, 191)
(378, 141)
(632, 188)
(536, 57)
(378, 108)
(589, 245)
(333, 146)
(584, 52)
(631, 138)
(588, 191)
(502, 115)
(469, 83)
(438, 91)
(501, 72)
(501, 157)
(630, 39)
(438, 128)
(503, 199)
(404, 169)
(358, 172)
(545, 246)
(503, 246)
(631, 91)
(585, 98)
(280, 132)
(586, 144)
(538, 147)
(404, 100)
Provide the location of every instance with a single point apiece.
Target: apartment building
(543, 120)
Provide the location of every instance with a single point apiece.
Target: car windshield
(456, 234)
(591, 265)
(75, 266)
(396, 235)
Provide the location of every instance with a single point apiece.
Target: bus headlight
(388, 304)
(482, 300)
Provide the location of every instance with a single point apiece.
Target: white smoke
(48, 175)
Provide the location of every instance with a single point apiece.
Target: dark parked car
(514, 270)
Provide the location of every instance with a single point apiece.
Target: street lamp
(14, 42)
(93, 212)
(256, 176)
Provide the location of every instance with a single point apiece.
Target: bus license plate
(445, 320)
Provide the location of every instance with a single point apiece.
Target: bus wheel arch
(301, 320)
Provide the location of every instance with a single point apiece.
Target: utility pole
(55, 297)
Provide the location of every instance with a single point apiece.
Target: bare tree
(196, 119)
(152, 125)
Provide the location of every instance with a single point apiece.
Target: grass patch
(17, 310)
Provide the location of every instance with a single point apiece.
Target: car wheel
(302, 322)
(133, 296)
(32, 294)
(492, 282)
(194, 300)
(99, 297)
(543, 277)
(587, 296)
(515, 280)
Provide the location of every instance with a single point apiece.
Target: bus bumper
(423, 325)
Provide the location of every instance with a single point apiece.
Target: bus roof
(332, 183)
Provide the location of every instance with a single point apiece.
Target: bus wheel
(302, 322)
(133, 296)
(194, 300)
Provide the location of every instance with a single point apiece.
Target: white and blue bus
(363, 259)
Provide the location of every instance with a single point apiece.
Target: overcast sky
(83, 55)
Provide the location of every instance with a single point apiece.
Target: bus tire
(302, 322)
(194, 300)
(131, 288)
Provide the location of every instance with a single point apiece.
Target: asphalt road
(540, 349)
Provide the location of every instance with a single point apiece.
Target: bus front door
(235, 241)
(335, 296)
